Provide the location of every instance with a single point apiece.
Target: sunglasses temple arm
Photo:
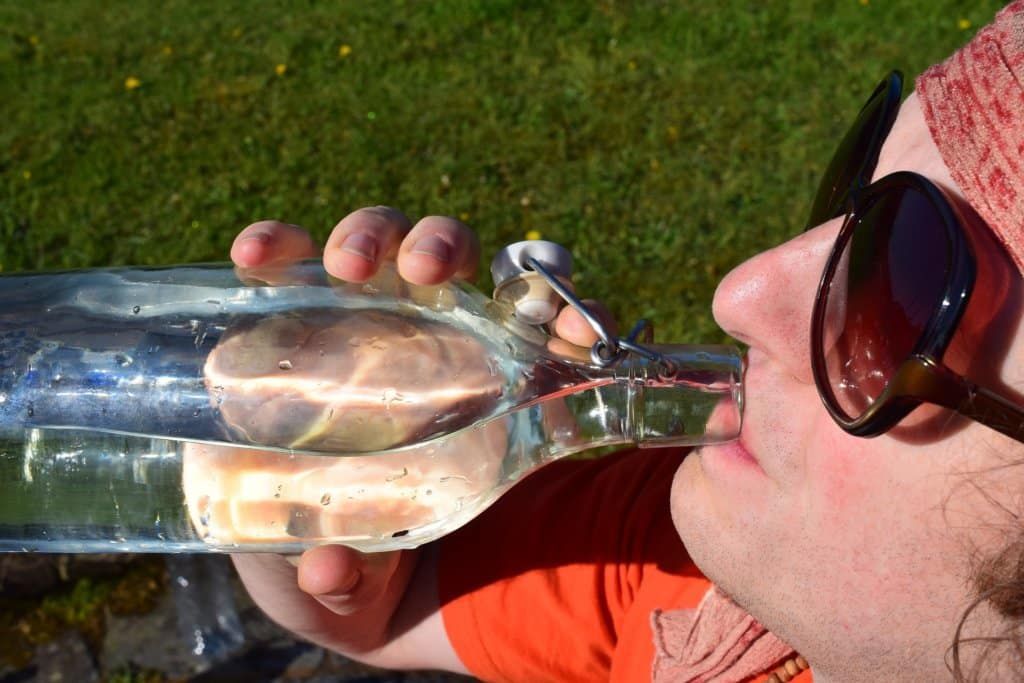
(923, 378)
(993, 411)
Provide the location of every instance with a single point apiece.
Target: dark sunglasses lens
(855, 156)
(888, 284)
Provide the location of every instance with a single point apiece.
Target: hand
(338, 597)
(436, 249)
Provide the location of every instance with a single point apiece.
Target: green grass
(662, 142)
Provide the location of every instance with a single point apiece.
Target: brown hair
(998, 583)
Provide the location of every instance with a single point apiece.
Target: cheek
(872, 510)
(843, 483)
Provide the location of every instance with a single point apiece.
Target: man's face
(856, 551)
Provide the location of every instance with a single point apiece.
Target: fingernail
(361, 245)
(434, 246)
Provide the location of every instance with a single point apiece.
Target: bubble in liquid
(285, 365)
(325, 499)
(136, 309)
(195, 413)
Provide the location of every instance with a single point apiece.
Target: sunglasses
(894, 290)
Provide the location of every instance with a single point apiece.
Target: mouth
(736, 454)
(738, 450)
(731, 462)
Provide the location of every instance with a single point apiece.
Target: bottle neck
(638, 402)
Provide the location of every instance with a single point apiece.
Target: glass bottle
(199, 408)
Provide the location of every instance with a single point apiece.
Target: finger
(362, 240)
(437, 249)
(329, 570)
(345, 581)
(571, 326)
(269, 242)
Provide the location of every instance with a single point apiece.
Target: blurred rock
(305, 665)
(203, 597)
(65, 660)
(259, 663)
(29, 575)
(148, 641)
(154, 642)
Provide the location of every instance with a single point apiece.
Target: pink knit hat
(974, 105)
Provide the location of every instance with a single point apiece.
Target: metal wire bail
(608, 349)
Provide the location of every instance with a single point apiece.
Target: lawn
(662, 142)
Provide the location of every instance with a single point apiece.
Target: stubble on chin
(707, 530)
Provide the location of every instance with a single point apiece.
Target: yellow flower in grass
(280, 69)
(131, 83)
(963, 24)
(864, 2)
(344, 50)
(464, 216)
(533, 234)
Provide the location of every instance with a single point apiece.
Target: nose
(766, 301)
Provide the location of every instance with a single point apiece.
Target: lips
(739, 451)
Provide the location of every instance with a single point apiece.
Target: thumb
(344, 580)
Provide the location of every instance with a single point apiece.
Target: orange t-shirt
(558, 579)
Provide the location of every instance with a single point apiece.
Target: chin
(692, 509)
(720, 542)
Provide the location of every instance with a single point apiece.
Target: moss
(136, 675)
(81, 606)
